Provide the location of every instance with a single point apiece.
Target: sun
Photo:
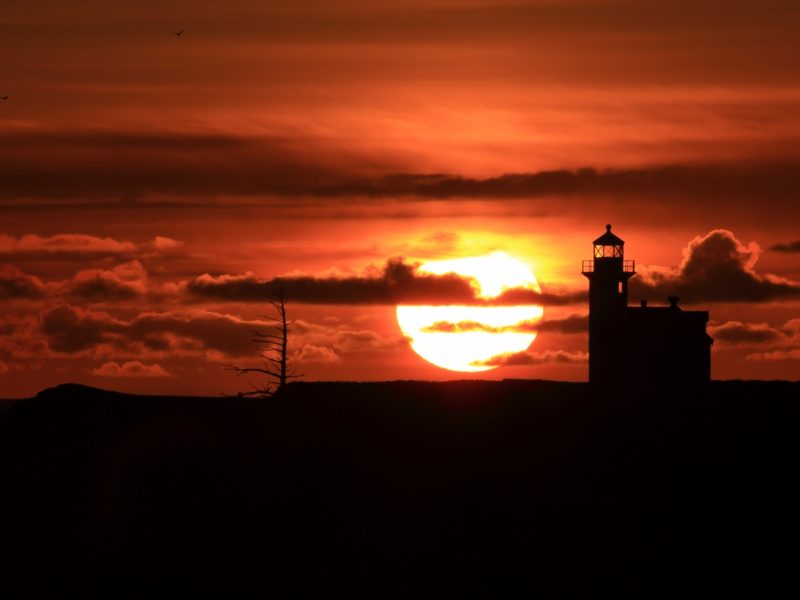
(468, 338)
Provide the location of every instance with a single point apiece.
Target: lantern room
(608, 245)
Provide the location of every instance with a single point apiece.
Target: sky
(154, 185)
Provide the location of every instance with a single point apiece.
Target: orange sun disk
(468, 338)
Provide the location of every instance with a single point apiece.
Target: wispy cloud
(523, 359)
(786, 247)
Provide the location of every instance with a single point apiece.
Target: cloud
(165, 244)
(461, 327)
(787, 247)
(83, 248)
(64, 245)
(531, 326)
(130, 369)
(340, 338)
(716, 267)
(21, 338)
(316, 354)
(568, 325)
(788, 346)
(15, 284)
(199, 334)
(396, 282)
(438, 244)
(674, 180)
(736, 332)
(558, 297)
(120, 164)
(775, 355)
(70, 329)
(521, 359)
(93, 165)
(123, 282)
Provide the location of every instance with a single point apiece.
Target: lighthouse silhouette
(643, 345)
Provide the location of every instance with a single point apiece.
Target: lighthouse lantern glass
(603, 251)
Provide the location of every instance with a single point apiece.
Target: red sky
(323, 139)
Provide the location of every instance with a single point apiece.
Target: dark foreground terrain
(407, 488)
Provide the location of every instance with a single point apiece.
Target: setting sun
(468, 338)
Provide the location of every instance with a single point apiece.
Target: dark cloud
(531, 326)
(716, 268)
(155, 335)
(15, 284)
(123, 282)
(461, 327)
(527, 296)
(736, 332)
(70, 330)
(20, 338)
(571, 324)
(783, 341)
(787, 247)
(520, 359)
(199, 167)
(107, 164)
(687, 181)
(397, 282)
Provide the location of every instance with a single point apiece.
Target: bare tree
(273, 348)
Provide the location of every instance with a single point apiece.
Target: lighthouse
(651, 345)
(608, 273)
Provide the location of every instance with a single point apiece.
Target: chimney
(644, 303)
(673, 301)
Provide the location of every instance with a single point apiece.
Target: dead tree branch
(273, 347)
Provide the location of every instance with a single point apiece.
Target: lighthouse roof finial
(608, 239)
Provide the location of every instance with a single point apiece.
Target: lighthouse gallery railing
(628, 266)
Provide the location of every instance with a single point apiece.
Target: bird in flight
(180, 33)
(5, 97)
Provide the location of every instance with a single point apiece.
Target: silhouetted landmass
(5, 406)
(407, 487)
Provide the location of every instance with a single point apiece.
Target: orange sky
(317, 138)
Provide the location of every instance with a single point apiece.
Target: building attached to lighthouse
(640, 344)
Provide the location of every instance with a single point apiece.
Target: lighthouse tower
(639, 345)
(608, 273)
